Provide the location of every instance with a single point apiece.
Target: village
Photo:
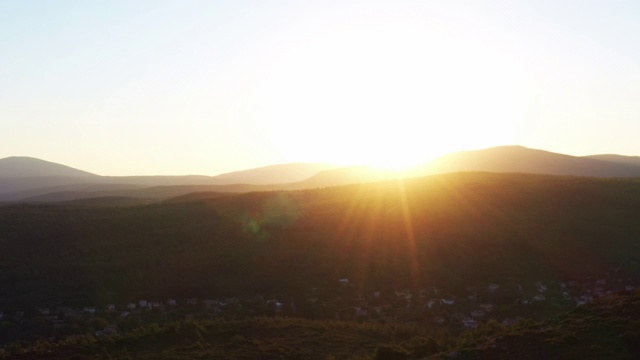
(505, 302)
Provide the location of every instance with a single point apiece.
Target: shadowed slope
(525, 160)
(630, 160)
(605, 329)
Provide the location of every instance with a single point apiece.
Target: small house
(89, 310)
(539, 298)
(469, 323)
(486, 307)
(44, 311)
(155, 305)
(540, 287)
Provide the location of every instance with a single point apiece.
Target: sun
(364, 94)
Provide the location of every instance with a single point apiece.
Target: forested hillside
(446, 253)
(450, 230)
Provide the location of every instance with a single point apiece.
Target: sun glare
(356, 94)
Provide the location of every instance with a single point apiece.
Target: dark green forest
(439, 237)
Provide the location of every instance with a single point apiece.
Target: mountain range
(26, 179)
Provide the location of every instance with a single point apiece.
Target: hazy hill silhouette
(274, 174)
(525, 160)
(148, 193)
(55, 185)
(28, 179)
(632, 160)
(22, 166)
(326, 178)
(343, 176)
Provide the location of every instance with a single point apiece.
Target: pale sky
(206, 87)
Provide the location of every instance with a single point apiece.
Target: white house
(541, 287)
(539, 297)
(90, 309)
(44, 311)
(155, 305)
(469, 323)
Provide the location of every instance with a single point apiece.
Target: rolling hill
(631, 160)
(491, 226)
(35, 180)
(48, 182)
(274, 174)
(525, 160)
(22, 166)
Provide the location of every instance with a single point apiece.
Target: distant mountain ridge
(525, 160)
(632, 160)
(274, 174)
(24, 166)
(34, 180)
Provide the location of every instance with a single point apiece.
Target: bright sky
(205, 87)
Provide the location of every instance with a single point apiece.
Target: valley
(444, 255)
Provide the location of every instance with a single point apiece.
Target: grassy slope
(605, 329)
(257, 338)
